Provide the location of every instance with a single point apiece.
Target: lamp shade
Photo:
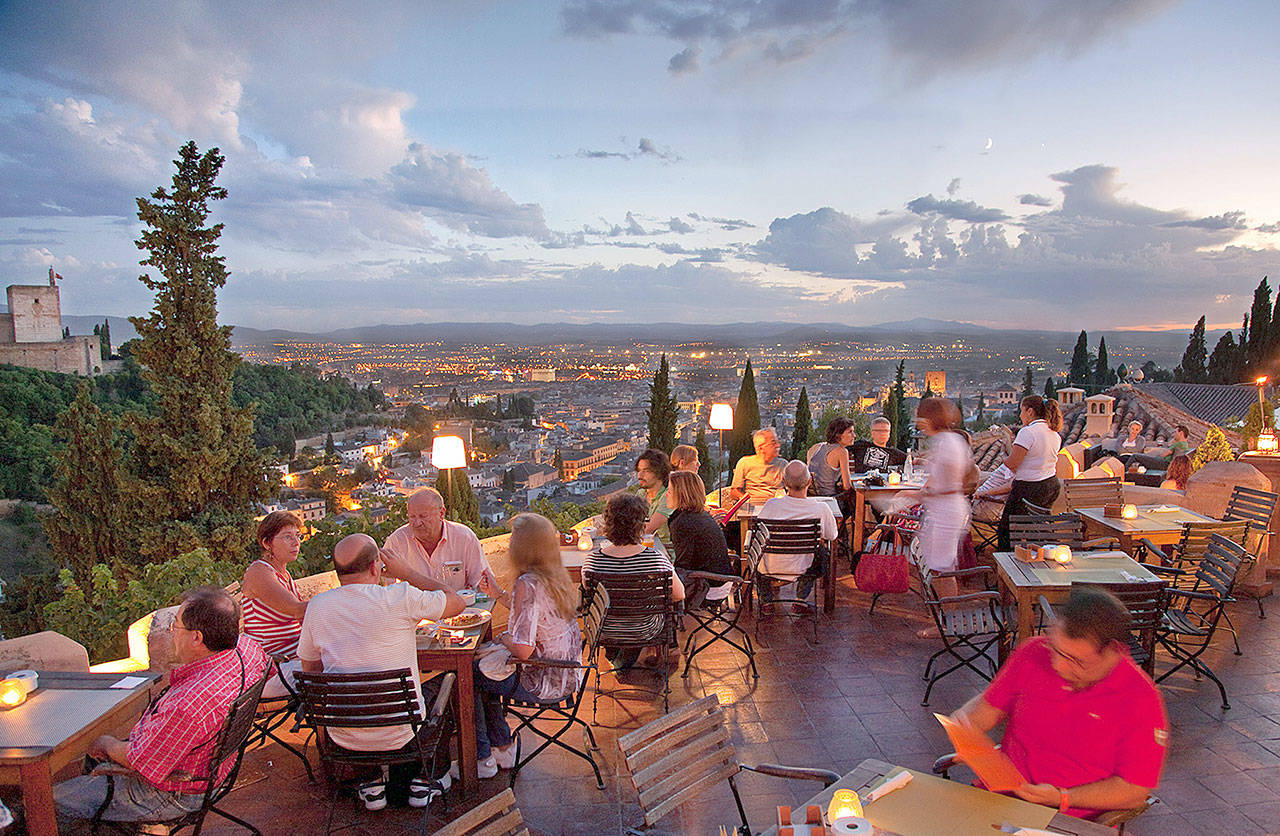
(447, 452)
(721, 416)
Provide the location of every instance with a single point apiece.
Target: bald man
(444, 550)
(797, 505)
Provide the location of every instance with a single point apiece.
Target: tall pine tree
(90, 526)
(803, 435)
(706, 467)
(662, 412)
(1028, 383)
(195, 472)
(1080, 374)
(1194, 365)
(1102, 368)
(1224, 365)
(895, 409)
(1050, 388)
(1260, 326)
(746, 418)
(459, 500)
(105, 339)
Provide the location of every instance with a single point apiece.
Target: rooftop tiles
(854, 696)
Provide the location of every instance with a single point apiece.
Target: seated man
(760, 475)
(989, 498)
(1086, 727)
(176, 733)
(362, 626)
(797, 505)
(1180, 446)
(441, 549)
(876, 454)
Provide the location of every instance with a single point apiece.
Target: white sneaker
(487, 768)
(454, 772)
(422, 791)
(374, 795)
(505, 757)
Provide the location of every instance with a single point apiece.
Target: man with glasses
(1086, 726)
(444, 550)
(759, 476)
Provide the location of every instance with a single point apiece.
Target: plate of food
(470, 617)
(1164, 509)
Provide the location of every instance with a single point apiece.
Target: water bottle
(908, 469)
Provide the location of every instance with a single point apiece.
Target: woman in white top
(946, 507)
(1033, 460)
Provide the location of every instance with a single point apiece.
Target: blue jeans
(134, 800)
(491, 726)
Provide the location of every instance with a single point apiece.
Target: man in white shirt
(797, 505)
(444, 550)
(362, 626)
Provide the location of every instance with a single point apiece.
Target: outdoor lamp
(844, 813)
(1267, 442)
(1129, 512)
(895, 478)
(447, 452)
(721, 419)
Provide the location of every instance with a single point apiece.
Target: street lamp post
(721, 419)
(448, 453)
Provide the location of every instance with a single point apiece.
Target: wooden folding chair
(1067, 529)
(786, 537)
(1257, 507)
(499, 816)
(1092, 493)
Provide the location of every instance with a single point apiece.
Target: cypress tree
(1028, 384)
(1260, 326)
(105, 335)
(330, 449)
(1193, 368)
(662, 412)
(194, 471)
(982, 409)
(746, 418)
(459, 500)
(90, 525)
(1050, 388)
(706, 467)
(1079, 373)
(1102, 369)
(558, 463)
(801, 437)
(895, 409)
(1223, 362)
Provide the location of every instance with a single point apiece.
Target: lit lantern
(585, 543)
(1267, 442)
(1129, 512)
(721, 416)
(844, 814)
(13, 693)
(895, 478)
(1060, 554)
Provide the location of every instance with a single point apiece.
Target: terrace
(854, 696)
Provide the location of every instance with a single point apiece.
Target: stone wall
(36, 312)
(75, 355)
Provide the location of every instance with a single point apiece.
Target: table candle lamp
(1061, 554)
(585, 543)
(1129, 512)
(844, 814)
(895, 478)
(13, 693)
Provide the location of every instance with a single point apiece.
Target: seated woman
(829, 461)
(624, 518)
(1177, 474)
(543, 623)
(699, 541)
(272, 609)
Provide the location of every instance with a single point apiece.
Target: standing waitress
(1033, 460)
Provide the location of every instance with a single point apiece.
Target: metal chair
(563, 711)
(1067, 529)
(969, 625)
(1191, 616)
(1257, 507)
(228, 745)
(1145, 602)
(677, 757)
(719, 618)
(1092, 493)
(274, 712)
(641, 614)
(499, 816)
(785, 537)
(377, 699)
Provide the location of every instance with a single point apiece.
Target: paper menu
(976, 750)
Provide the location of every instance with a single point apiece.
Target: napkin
(897, 782)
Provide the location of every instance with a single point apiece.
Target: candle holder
(1129, 512)
(14, 689)
(844, 814)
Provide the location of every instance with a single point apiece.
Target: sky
(1013, 163)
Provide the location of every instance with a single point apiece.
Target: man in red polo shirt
(1086, 727)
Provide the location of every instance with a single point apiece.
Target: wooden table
(861, 492)
(1026, 582)
(1160, 527)
(748, 514)
(54, 728)
(434, 656)
(933, 806)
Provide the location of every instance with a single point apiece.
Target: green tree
(90, 525)
(1101, 368)
(105, 338)
(509, 480)
(803, 434)
(1254, 423)
(1050, 388)
(558, 463)
(981, 413)
(1194, 365)
(1214, 448)
(1079, 373)
(194, 472)
(1028, 384)
(1260, 327)
(662, 412)
(895, 409)
(459, 499)
(706, 467)
(1225, 362)
(746, 418)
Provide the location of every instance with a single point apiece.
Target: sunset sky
(1016, 164)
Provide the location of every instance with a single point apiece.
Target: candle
(895, 478)
(1129, 512)
(584, 541)
(1061, 554)
(13, 692)
(844, 803)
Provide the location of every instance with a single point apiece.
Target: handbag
(884, 564)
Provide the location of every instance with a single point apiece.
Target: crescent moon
(988, 146)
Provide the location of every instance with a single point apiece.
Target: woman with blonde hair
(543, 622)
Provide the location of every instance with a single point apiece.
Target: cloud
(729, 224)
(1034, 200)
(1227, 220)
(1272, 228)
(953, 187)
(679, 226)
(961, 210)
(825, 241)
(644, 148)
(922, 38)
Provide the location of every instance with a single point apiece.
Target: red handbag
(884, 565)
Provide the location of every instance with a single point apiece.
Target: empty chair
(1092, 493)
(1040, 530)
(969, 625)
(1257, 507)
(499, 816)
(716, 618)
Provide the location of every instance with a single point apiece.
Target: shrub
(1214, 449)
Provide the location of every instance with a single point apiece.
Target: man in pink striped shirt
(177, 733)
(444, 551)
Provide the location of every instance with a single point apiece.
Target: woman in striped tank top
(272, 609)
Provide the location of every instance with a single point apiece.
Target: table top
(427, 641)
(1148, 521)
(1085, 567)
(63, 705)
(933, 806)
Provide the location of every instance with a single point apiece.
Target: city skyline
(1023, 164)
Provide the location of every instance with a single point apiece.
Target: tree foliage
(662, 412)
(803, 435)
(707, 469)
(1226, 363)
(1194, 365)
(1257, 348)
(1254, 422)
(1050, 388)
(459, 500)
(895, 409)
(1214, 448)
(1079, 373)
(1028, 383)
(746, 418)
(1103, 376)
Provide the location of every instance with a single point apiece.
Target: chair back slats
(593, 620)
(678, 756)
(791, 536)
(1194, 545)
(499, 816)
(1250, 504)
(360, 700)
(633, 594)
(1038, 530)
(1092, 493)
(1220, 566)
(239, 724)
